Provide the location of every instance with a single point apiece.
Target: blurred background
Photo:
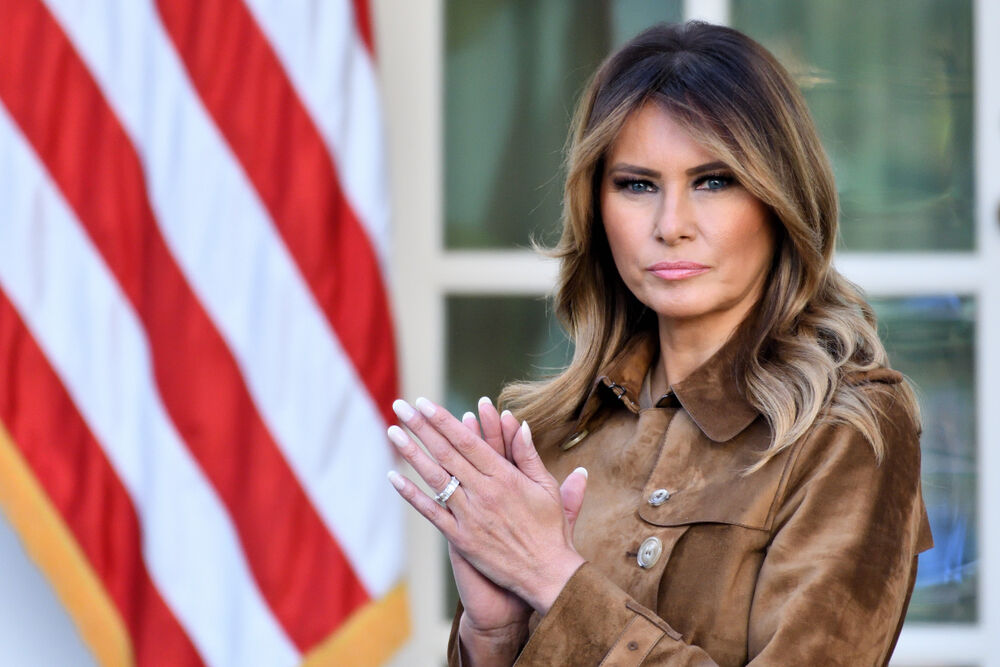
(475, 101)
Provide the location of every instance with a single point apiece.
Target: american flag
(195, 338)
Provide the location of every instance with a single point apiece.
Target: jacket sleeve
(834, 584)
(454, 646)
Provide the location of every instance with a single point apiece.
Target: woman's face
(688, 240)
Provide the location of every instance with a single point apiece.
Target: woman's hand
(489, 609)
(507, 521)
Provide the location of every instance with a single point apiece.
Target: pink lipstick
(676, 270)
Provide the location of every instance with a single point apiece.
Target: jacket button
(649, 552)
(658, 497)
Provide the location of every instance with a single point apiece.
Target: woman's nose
(675, 220)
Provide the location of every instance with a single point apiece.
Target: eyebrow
(633, 169)
(708, 166)
(652, 173)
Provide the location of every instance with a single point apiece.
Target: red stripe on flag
(300, 569)
(244, 87)
(70, 465)
(363, 19)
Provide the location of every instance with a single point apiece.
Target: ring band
(447, 490)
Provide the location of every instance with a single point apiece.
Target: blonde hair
(811, 328)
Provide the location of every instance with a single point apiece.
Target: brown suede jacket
(808, 561)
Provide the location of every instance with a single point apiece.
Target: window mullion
(987, 154)
(711, 11)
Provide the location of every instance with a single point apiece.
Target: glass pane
(493, 340)
(890, 85)
(514, 69)
(932, 340)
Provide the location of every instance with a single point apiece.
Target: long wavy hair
(811, 329)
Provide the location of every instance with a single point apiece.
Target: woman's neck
(684, 347)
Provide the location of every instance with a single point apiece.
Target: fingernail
(403, 409)
(426, 408)
(526, 434)
(467, 416)
(485, 400)
(505, 413)
(397, 435)
(582, 471)
(395, 479)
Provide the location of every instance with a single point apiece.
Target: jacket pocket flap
(696, 480)
(712, 503)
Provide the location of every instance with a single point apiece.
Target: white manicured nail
(397, 435)
(467, 416)
(485, 400)
(582, 471)
(395, 479)
(526, 434)
(505, 413)
(403, 409)
(426, 408)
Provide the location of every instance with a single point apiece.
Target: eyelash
(726, 180)
(629, 183)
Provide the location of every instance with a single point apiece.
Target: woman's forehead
(653, 134)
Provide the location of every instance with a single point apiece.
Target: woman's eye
(635, 185)
(713, 182)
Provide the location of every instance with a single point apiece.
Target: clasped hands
(509, 524)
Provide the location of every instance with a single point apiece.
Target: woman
(754, 485)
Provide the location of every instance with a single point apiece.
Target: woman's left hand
(506, 520)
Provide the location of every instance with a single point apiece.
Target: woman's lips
(676, 270)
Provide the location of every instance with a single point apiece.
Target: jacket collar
(710, 395)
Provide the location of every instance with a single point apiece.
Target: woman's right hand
(489, 609)
(495, 620)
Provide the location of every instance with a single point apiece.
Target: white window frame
(410, 40)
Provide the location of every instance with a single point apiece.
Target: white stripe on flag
(318, 43)
(303, 384)
(79, 317)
